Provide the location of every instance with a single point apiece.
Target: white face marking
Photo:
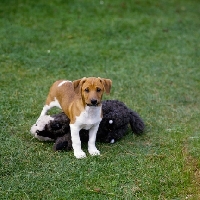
(42, 121)
(39, 126)
(63, 82)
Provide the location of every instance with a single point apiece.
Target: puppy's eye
(98, 89)
(87, 90)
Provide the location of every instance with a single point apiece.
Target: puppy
(81, 102)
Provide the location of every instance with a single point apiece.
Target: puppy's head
(92, 89)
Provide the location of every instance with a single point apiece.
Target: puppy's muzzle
(93, 102)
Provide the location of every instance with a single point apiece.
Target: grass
(150, 50)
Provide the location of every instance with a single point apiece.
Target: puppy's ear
(78, 84)
(107, 83)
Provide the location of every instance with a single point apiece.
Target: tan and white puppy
(81, 102)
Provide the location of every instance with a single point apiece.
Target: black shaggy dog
(114, 125)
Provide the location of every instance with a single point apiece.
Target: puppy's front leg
(92, 139)
(76, 142)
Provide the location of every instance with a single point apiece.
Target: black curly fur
(121, 116)
(114, 110)
(63, 143)
(57, 127)
(136, 123)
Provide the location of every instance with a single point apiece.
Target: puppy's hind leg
(45, 110)
(50, 104)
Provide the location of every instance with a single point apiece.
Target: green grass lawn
(150, 50)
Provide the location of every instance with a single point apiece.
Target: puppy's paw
(94, 152)
(79, 154)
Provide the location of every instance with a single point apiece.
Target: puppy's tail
(136, 122)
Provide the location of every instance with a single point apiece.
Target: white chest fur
(89, 117)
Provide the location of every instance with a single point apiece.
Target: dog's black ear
(137, 124)
(78, 84)
(56, 126)
(63, 143)
(107, 83)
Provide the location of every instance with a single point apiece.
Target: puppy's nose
(93, 101)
